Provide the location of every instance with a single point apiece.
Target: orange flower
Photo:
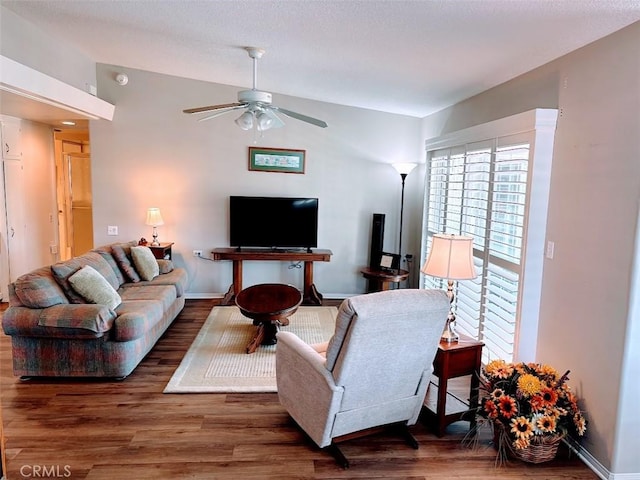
(507, 406)
(491, 409)
(537, 403)
(549, 396)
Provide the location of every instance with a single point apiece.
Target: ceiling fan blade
(221, 112)
(276, 121)
(299, 116)
(213, 107)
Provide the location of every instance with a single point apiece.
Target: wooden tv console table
(310, 295)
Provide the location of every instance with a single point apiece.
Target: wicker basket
(543, 448)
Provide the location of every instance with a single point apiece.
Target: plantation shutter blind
(482, 189)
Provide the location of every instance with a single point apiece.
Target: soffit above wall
(31, 95)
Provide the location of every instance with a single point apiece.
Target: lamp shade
(404, 168)
(154, 218)
(245, 121)
(450, 257)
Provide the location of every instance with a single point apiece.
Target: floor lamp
(451, 258)
(403, 169)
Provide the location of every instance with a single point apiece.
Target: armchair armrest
(306, 388)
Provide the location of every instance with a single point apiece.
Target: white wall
(25, 43)
(595, 187)
(152, 154)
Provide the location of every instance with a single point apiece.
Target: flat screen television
(273, 222)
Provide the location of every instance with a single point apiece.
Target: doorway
(74, 193)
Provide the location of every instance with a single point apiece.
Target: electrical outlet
(550, 249)
(112, 230)
(197, 253)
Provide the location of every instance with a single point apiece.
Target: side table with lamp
(451, 258)
(154, 219)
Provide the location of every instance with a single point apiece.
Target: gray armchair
(374, 371)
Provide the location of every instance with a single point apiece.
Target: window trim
(541, 124)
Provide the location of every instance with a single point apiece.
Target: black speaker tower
(377, 240)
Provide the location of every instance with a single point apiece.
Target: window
(491, 182)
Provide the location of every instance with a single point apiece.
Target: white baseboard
(595, 465)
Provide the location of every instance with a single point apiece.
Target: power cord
(409, 259)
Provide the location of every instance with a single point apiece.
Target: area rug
(217, 361)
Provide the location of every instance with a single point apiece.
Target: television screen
(274, 222)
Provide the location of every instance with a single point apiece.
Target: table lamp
(451, 258)
(154, 219)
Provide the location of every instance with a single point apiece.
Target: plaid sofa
(56, 332)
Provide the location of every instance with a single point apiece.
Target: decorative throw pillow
(165, 266)
(38, 289)
(122, 255)
(146, 264)
(94, 288)
(63, 270)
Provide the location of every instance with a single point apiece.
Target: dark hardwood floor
(112, 430)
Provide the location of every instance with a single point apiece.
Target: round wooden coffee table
(269, 305)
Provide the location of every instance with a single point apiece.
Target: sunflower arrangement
(530, 404)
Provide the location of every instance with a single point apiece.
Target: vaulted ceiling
(407, 57)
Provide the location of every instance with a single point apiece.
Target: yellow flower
(546, 424)
(547, 370)
(521, 442)
(497, 393)
(580, 423)
(499, 369)
(529, 384)
(521, 427)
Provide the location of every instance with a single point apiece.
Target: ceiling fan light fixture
(245, 121)
(260, 111)
(264, 121)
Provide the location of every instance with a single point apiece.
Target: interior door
(4, 245)
(80, 226)
(16, 226)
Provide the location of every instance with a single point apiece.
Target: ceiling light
(245, 121)
(68, 122)
(264, 121)
(122, 79)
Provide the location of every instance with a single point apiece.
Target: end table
(162, 251)
(459, 359)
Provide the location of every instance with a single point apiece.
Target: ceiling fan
(259, 110)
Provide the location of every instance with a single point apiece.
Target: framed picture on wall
(276, 160)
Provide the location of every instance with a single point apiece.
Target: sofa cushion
(136, 318)
(165, 266)
(63, 270)
(38, 289)
(177, 277)
(164, 294)
(122, 255)
(107, 254)
(145, 262)
(93, 317)
(94, 288)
